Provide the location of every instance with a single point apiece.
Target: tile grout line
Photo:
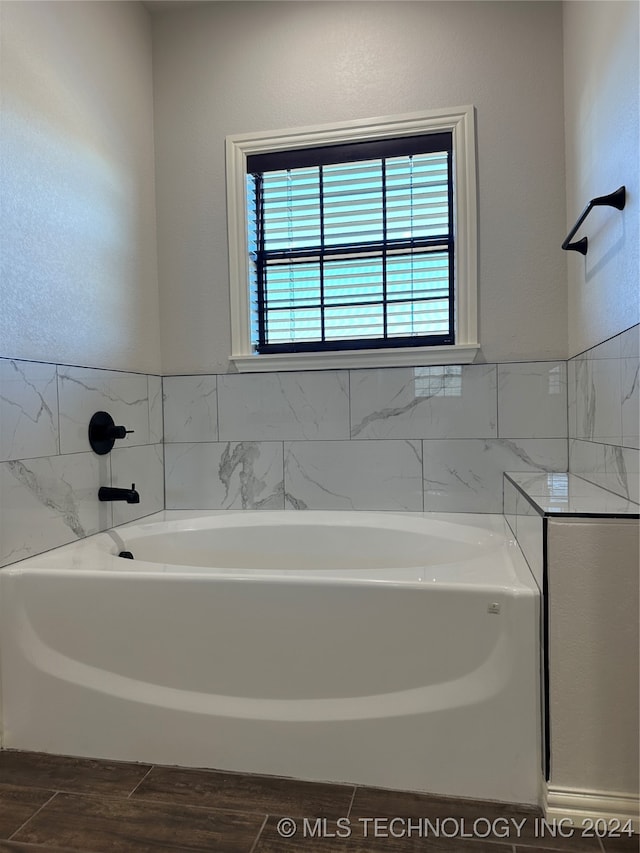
(135, 787)
(257, 838)
(31, 817)
(353, 796)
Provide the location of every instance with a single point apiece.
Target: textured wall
(77, 247)
(593, 634)
(602, 153)
(228, 68)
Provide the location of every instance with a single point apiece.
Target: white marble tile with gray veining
(312, 405)
(598, 400)
(510, 497)
(143, 466)
(190, 408)
(630, 343)
(529, 523)
(466, 475)
(375, 475)
(84, 391)
(50, 501)
(28, 409)
(156, 426)
(629, 380)
(224, 475)
(611, 467)
(572, 426)
(456, 401)
(532, 400)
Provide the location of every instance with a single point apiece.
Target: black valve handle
(103, 433)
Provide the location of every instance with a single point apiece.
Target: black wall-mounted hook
(103, 433)
(615, 199)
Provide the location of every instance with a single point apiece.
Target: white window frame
(460, 121)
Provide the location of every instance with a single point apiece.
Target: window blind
(352, 245)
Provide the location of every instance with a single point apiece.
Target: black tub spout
(107, 493)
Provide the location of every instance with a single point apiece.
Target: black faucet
(107, 493)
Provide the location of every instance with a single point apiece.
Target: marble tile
(375, 475)
(599, 396)
(629, 381)
(532, 400)
(630, 343)
(530, 537)
(553, 485)
(570, 493)
(457, 401)
(154, 394)
(50, 501)
(572, 426)
(466, 475)
(631, 460)
(83, 391)
(28, 410)
(190, 408)
(143, 466)
(284, 406)
(224, 475)
(509, 502)
(613, 468)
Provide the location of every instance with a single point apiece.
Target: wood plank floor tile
(64, 773)
(623, 844)
(505, 822)
(17, 805)
(111, 825)
(19, 847)
(237, 791)
(363, 838)
(384, 803)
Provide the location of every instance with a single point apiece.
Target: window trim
(460, 121)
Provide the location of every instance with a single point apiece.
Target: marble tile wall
(604, 412)
(49, 476)
(424, 438)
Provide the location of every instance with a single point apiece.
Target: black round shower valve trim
(103, 433)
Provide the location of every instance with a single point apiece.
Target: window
(354, 245)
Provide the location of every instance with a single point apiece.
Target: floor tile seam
(221, 810)
(535, 848)
(256, 840)
(106, 795)
(353, 796)
(90, 795)
(31, 817)
(49, 789)
(140, 781)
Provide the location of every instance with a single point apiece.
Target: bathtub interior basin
(326, 541)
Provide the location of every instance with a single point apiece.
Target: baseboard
(586, 807)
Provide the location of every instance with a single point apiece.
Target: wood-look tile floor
(60, 804)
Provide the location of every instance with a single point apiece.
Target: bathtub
(398, 650)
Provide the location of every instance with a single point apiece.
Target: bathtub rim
(511, 577)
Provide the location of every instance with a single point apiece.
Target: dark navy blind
(351, 246)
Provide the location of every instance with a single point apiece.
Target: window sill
(403, 357)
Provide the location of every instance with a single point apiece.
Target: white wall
(78, 243)
(224, 68)
(602, 153)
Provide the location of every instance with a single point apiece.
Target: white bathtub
(388, 649)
